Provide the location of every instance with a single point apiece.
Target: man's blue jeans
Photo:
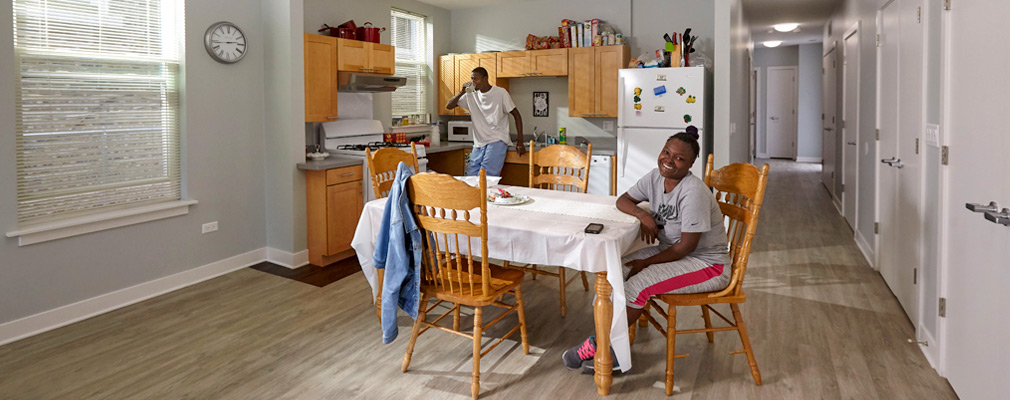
(491, 157)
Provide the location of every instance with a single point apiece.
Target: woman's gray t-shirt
(689, 207)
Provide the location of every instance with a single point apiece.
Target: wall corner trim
(866, 249)
(287, 260)
(48, 320)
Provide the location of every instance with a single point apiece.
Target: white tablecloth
(522, 235)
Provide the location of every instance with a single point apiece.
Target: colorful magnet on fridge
(638, 113)
(687, 118)
(690, 99)
(638, 106)
(659, 109)
(681, 91)
(660, 90)
(638, 91)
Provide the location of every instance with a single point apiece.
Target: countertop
(333, 161)
(602, 146)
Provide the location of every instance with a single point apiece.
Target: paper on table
(608, 212)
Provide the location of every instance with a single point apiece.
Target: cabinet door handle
(347, 175)
(331, 117)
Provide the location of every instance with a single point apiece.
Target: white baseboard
(762, 155)
(808, 159)
(865, 248)
(925, 336)
(838, 204)
(65, 315)
(287, 260)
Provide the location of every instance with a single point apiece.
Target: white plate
(510, 201)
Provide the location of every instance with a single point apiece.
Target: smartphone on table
(594, 228)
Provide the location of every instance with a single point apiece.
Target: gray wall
(764, 57)
(336, 12)
(741, 48)
(223, 156)
(642, 22)
(808, 110)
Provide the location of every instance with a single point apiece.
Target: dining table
(549, 229)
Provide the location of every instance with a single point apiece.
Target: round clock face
(225, 42)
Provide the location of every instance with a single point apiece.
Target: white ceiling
(810, 14)
(761, 14)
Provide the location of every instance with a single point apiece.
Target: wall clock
(225, 42)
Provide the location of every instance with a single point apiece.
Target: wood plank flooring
(823, 325)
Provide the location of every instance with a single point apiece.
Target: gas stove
(351, 137)
(371, 145)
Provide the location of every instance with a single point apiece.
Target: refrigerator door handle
(620, 102)
(622, 150)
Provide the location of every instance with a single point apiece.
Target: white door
(977, 251)
(828, 103)
(781, 102)
(850, 124)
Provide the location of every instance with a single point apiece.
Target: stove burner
(379, 145)
(357, 147)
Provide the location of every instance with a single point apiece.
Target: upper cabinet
(320, 78)
(516, 64)
(592, 80)
(455, 70)
(359, 56)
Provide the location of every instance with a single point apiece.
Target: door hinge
(943, 307)
(822, 116)
(916, 145)
(946, 5)
(918, 14)
(915, 276)
(843, 187)
(876, 228)
(944, 159)
(878, 40)
(843, 124)
(878, 134)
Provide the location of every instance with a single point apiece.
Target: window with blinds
(409, 36)
(97, 105)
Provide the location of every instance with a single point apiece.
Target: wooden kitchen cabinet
(592, 80)
(320, 78)
(454, 70)
(530, 63)
(334, 203)
(359, 56)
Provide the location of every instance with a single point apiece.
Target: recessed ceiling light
(772, 43)
(787, 27)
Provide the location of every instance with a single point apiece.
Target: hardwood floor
(823, 325)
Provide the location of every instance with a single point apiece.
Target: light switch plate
(608, 126)
(732, 128)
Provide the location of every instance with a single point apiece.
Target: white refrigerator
(654, 104)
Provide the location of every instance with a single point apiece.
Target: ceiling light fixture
(787, 27)
(772, 43)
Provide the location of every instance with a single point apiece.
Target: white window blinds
(97, 105)
(409, 36)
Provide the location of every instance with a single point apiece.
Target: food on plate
(495, 194)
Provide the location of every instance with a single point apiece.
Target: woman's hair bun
(693, 131)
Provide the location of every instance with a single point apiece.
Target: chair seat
(502, 280)
(697, 299)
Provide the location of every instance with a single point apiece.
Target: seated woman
(692, 255)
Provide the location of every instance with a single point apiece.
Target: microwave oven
(460, 131)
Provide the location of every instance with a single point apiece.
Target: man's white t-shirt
(489, 113)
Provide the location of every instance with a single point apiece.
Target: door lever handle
(850, 143)
(897, 163)
(890, 161)
(1002, 218)
(981, 208)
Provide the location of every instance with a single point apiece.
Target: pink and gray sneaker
(581, 356)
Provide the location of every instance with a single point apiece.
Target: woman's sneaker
(574, 356)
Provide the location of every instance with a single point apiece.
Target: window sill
(98, 222)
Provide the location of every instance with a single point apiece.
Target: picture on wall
(540, 104)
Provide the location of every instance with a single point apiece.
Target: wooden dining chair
(740, 190)
(565, 168)
(450, 270)
(382, 167)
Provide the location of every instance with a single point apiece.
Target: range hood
(356, 82)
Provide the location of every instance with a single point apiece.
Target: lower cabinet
(334, 203)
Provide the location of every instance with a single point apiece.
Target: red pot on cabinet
(369, 33)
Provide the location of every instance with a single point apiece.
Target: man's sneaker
(589, 367)
(574, 356)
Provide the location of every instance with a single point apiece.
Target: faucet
(536, 136)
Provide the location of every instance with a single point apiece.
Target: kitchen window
(410, 37)
(97, 110)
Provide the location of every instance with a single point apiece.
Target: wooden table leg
(603, 314)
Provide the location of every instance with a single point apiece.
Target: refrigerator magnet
(681, 91)
(690, 99)
(687, 118)
(659, 90)
(659, 109)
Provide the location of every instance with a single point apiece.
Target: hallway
(822, 323)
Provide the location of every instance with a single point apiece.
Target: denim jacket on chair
(398, 251)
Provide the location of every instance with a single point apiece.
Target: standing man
(489, 107)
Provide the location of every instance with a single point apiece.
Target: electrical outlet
(209, 227)
(608, 126)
